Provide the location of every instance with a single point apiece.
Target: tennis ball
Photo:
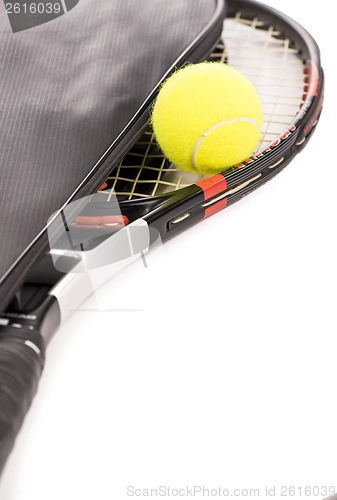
(207, 117)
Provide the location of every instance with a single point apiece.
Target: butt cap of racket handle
(21, 365)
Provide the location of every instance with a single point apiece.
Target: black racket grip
(21, 365)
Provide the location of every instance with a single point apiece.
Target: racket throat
(34, 325)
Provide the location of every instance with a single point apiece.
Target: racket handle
(21, 365)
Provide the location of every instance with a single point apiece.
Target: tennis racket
(282, 61)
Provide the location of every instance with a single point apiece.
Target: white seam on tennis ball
(214, 127)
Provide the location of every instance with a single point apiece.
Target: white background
(216, 366)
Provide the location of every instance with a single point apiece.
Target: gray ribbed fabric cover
(68, 88)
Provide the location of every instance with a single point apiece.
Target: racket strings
(145, 172)
(269, 60)
(273, 65)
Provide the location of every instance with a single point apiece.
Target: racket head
(282, 61)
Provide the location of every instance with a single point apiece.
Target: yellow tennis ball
(207, 117)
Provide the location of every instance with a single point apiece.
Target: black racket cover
(71, 82)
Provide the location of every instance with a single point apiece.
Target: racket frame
(171, 213)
